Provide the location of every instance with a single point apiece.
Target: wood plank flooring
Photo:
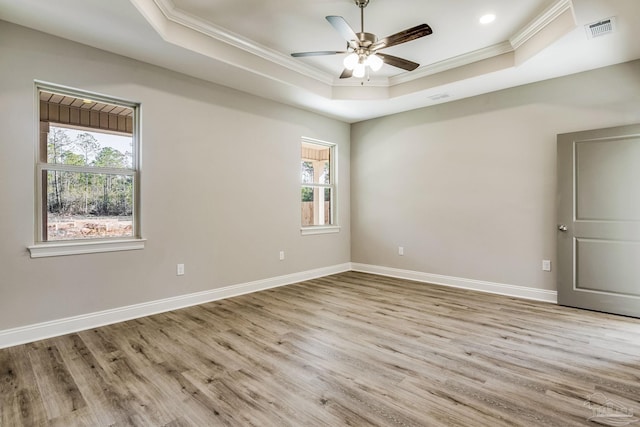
(349, 349)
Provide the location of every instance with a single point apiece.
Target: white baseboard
(39, 331)
(458, 282)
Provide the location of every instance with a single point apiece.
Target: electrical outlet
(400, 250)
(180, 270)
(281, 255)
(546, 265)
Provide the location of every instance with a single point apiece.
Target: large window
(87, 169)
(318, 194)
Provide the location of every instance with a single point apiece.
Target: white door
(599, 220)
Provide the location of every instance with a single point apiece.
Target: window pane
(88, 205)
(307, 172)
(89, 148)
(325, 177)
(315, 210)
(316, 163)
(307, 194)
(327, 206)
(91, 141)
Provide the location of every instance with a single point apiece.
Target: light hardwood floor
(349, 349)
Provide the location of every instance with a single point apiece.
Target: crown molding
(180, 17)
(550, 14)
(451, 63)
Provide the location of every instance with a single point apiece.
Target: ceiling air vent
(601, 28)
(438, 96)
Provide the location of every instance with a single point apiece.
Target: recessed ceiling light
(487, 19)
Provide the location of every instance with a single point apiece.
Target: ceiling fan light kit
(353, 60)
(374, 62)
(363, 47)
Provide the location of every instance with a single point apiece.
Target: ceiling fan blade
(342, 27)
(346, 74)
(318, 53)
(405, 64)
(403, 37)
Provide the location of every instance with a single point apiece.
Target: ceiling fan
(363, 48)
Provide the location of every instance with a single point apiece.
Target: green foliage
(307, 194)
(57, 144)
(69, 158)
(110, 158)
(88, 146)
(306, 171)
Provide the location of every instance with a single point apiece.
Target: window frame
(333, 227)
(46, 248)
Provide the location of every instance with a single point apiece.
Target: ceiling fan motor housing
(362, 3)
(366, 39)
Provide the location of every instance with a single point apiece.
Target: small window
(318, 184)
(87, 167)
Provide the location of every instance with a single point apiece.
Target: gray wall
(220, 185)
(469, 187)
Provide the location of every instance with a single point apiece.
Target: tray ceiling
(247, 45)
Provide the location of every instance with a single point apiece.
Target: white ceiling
(247, 44)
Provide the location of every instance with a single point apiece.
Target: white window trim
(43, 249)
(333, 173)
(319, 229)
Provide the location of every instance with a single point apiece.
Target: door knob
(562, 227)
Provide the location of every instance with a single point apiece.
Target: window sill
(42, 250)
(320, 229)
